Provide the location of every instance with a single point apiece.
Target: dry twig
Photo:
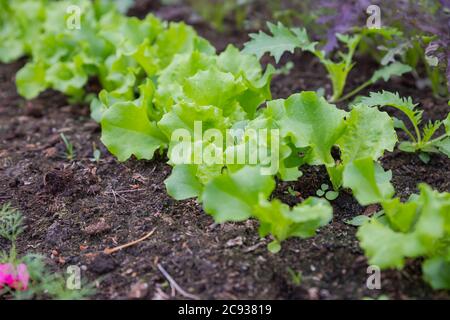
(129, 244)
(175, 285)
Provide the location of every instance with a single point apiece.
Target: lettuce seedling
(237, 196)
(285, 39)
(419, 227)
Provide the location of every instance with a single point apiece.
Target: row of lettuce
(159, 78)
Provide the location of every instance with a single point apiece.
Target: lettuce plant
(312, 127)
(419, 227)
(243, 194)
(285, 39)
(63, 58)
(106, 45)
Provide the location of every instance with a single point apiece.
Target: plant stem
(416, 128)
(353, 92)
(410, 134)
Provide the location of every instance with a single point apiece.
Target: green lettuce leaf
(183, 183)
(368, 134)
(30, 80)
(301, 221)
(232, 196)
(126, 131)
(309, 121)
(369, 182)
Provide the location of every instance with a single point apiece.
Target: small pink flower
(6, 275)
(23, 277)
(15, 278)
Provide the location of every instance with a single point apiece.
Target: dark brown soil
(76, 209)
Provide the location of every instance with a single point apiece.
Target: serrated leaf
(390, 99)
(389, 71)
(386, 98)
(282, 40)
(430, 129)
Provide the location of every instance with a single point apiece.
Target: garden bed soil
(75, 209)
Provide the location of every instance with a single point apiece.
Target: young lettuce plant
(62, 58)
(285, 39)
(424, 141)
(419, 227)
(217, 91)
(243, 194)
(106, 45)
(312, 127)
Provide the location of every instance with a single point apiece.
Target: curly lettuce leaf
(243, 194)
(309, 121)
(436, 271)
(368, 134)
(386, 248)
(232, 196)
